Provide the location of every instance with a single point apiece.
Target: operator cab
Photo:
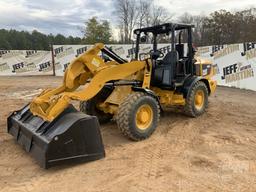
(170, 69)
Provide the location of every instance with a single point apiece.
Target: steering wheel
(156, 54)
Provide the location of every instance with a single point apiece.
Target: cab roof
(163, 28)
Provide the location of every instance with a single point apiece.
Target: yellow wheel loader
(131, 93)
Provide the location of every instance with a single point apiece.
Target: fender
(190, 82)
(149, 92)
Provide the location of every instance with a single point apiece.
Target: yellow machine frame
(90, 70)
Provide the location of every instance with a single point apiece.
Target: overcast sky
(66, 16)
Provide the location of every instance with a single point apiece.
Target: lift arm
(51, 102)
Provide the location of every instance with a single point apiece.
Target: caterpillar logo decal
(95, 62)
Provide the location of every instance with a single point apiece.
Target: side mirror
(143, 39)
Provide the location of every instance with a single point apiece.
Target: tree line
(223, 27)
(18, 40)
(220, 27)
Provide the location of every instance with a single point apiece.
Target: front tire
(138, 116)
(90, 107)
(197, 100)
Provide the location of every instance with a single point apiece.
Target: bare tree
(127, 16)
(159, 15)
(186, 18)
(138, 14)
(144, 13)
(197, 21)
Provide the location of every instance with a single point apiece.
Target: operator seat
(180, 67)
(164, 72)
(180, 49)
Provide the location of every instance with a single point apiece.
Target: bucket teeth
(71, 137)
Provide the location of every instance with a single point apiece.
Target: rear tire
(197, 100)
(138, 116)
(90, 107)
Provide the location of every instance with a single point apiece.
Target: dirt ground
(214, 152)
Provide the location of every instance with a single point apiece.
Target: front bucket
(71, 137)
